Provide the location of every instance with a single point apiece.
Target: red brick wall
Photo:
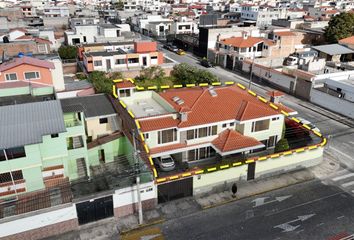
(46, 231)
(143, 47)
(132, 208)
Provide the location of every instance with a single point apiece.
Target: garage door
(174, 190)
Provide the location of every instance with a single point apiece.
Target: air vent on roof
(175, 98)
(212, 92)
(180, 102)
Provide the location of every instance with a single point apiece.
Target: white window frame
(39, 75)
(6, 80)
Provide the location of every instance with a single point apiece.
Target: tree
(151, 73)
(102, 82)
(119, 5)
(67, 52)
(339, 27)
(282, 145)
(185, 74)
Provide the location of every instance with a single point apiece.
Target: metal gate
(97, 209)
(174, 190)
(251, 171)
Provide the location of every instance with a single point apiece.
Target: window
(97, 63)
(275, 118)
(120, 61)
(42, 48)
(11, 77)
(166, 136)
(103, 120)
(6, 177)
(190, 134)
(232, 124)
(214, 130)
(153, 57)
(224, 125)
(54, 135)
(12, 153)
(203, 132)
(146, 135)
(133, 60)
(124, 92)
(31, 75)
(260, 125)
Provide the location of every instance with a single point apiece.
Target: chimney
(275, 96)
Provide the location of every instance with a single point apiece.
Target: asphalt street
(306, 211)
(341, 143)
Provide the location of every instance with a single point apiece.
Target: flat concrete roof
(144, 104)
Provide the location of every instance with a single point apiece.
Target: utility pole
(137, 174)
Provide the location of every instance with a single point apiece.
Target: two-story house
(201, 124)
(27, 71)
(145, 54)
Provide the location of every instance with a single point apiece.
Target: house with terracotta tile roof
(231, 51)
(27, 72)
(349, 42)
(208, 131)
(203, 123)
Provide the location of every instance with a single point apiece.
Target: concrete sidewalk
(111, 229)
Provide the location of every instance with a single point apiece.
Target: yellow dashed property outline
(222, 167)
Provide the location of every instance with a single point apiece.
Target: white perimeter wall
(127, 196)
(37, 221)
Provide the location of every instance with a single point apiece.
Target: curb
(144, 225)
(251, 195)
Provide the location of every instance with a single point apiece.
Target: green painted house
(45, 143)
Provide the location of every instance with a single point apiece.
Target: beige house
(100, 117)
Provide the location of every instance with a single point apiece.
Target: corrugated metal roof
(93, 105)
(25, 124)
(333, 49)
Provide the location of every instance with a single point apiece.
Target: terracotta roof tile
(275, 94)
(348, 40)
(284, 34)
(158, 123)
(242, 42)
(26, 60)
(230, 103)
(230, 140)
(167, 148)
(125, 84)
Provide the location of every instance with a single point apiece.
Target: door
(97, 209)
(144, 61)
(251, 171)
(108, 64)
(101, 155)
(175, 190)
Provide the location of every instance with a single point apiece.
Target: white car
(308, 123)
(166, 163)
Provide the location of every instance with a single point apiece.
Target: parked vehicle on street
(308, 123)
(166, 163)
(171, 47)
(181, 52)
(205, 63)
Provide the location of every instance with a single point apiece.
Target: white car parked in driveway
(166, 163)
(308, 123)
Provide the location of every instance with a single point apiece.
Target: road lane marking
(306, 203)
(348, 184)
(340, 217)
(343, 177)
